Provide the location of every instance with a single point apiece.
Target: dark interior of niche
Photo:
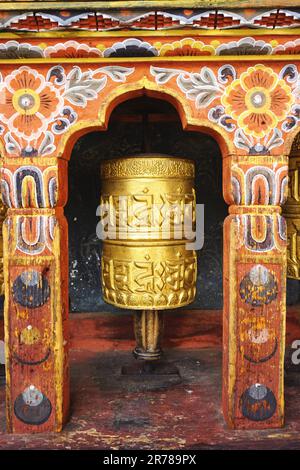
(143, 125)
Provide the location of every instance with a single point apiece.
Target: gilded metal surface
(291, 212)
(151, 269)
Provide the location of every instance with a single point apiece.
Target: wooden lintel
(134, 4)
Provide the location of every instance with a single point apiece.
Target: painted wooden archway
(249, 103)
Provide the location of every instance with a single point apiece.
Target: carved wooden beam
(57, 4)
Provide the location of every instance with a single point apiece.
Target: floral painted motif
(245, 46)
(34, 108)
(290, 47)
(257, 107)
(134, 47)
(131, 48)
(202, 87)
(258, 100)
(17, 50)
(259, 104)
(29, 103)
(186, 47)
(72, 49)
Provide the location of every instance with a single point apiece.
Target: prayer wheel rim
(135, 164)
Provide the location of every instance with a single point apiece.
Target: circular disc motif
(32, 406)
(258, 287)
(26, 101)
(31, 289)
(261, 347)
(258, 99)
(258, 403)
(32, 349)
(30, 335)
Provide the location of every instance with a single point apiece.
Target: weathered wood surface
(37, 357)
(113, 413)
(73, 4)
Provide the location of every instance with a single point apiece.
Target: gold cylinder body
(145, 263)
(291, 212)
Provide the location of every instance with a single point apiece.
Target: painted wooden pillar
(2, 217)
(36, 294)
(254, 293)
(292, 212)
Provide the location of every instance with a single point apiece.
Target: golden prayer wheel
(291, 212)
(148, 221)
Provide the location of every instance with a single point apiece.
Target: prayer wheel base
(148, 329)
(150, 375)
(147, 355)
